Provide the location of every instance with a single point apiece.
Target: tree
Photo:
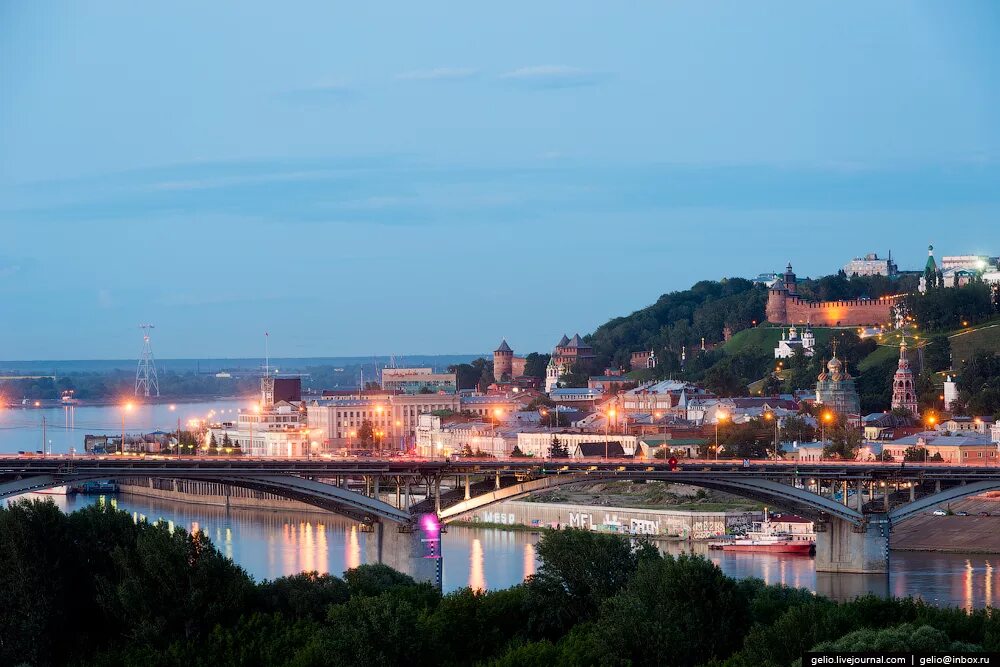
(535, 365)
(466, 375)
(844, 443)
(557, 450)
(915, 454)
(576, 376)
(586, 568)
(907, 638)
(690, 610)
(366, 433)
(516, 453)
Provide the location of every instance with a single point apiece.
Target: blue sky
(369, 178)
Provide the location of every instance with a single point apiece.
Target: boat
(785, 534)
(775, 545)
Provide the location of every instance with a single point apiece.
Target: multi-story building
(418, 380)
(664, 397)
(434, 438)
(871, 265)
(336, 422)
(537, 442)
(568, 354)
(270, 428)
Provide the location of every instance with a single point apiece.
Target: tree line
(97, 588)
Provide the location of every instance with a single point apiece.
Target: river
(271, 544)
(65, 426)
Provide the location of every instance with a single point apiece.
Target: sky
(400, 177)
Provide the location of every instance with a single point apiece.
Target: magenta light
(429, 523)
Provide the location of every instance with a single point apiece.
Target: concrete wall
(683, 524)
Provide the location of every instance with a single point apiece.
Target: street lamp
(769, 416)
(125, 408)
(719, 417)
(824, 419)
(607, 424)
(657, 416)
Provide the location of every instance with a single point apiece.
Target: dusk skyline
(431, 180)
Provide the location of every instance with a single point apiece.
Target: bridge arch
(791, 498)
(332, 498)
(925, 503)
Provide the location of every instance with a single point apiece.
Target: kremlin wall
(785, 306)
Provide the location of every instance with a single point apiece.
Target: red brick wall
(835, 313)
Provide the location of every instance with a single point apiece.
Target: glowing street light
(127, 407)
(825, 418)
(720, 416)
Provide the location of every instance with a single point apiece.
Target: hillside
(966, 342)
(765, 338)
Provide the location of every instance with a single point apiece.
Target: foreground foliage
(96, 588)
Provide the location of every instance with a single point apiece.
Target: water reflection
(352, 552)
(477, 581)
(271, 544)
(529, 560)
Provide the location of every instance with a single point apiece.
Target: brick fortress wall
(785, 308)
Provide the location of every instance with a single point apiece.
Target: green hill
(765, 339)
(965, 343)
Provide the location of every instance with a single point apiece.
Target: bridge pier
(842, 546)
(413, 550)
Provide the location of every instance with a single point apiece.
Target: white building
(277, 430)
(434, 439)
(871, 265)
(537, 443)
(950, 393)
(418, 380)
(664, 396)
(977, 263)
(793, 342)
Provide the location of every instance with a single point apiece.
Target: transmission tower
(146, 382)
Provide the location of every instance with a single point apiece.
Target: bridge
(404, 501)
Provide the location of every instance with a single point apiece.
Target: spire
(504, 347)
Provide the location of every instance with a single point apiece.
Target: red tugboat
(780, 533)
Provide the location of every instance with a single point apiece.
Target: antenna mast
(146, 382)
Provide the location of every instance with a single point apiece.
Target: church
(835, 390)
(792, 342)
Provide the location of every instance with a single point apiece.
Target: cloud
(438, 74)
(541, 77)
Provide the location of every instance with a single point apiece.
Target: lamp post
(769, 416)
(657, 416)
(826, 417)
(125, 408)
(607, 424)
(719, 417)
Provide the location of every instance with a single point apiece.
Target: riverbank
(658, 523)
(953, 533)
